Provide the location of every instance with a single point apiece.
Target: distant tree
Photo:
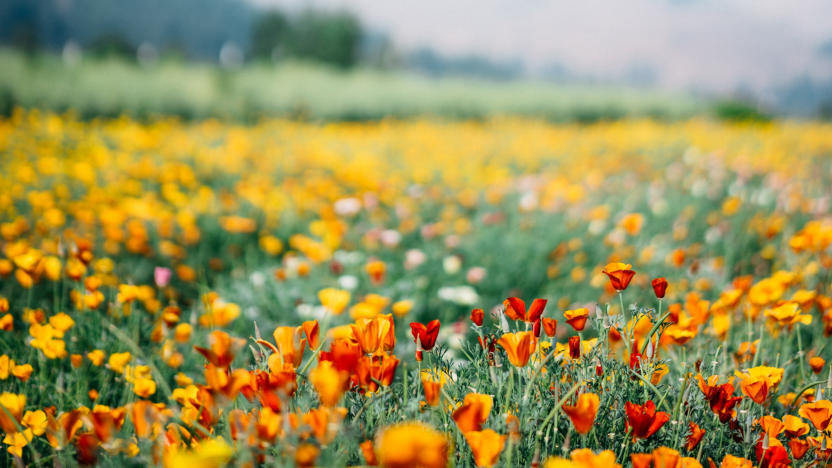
(269, 33)
(112, 45)
(329, 37)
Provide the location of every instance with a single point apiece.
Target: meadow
(500, 292)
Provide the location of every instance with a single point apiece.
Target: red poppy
(775, 456)
(425, 334)
(636, 359)
(644, 419)
(343, 354)
(516, 309)
(719, 398)
(477, 316)
(659, 287)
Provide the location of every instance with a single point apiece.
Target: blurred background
(361, 59)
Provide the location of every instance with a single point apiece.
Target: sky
(715, 45)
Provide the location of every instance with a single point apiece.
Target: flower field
(504, 292)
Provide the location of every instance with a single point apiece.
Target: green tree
(329, 37)
(269, 34)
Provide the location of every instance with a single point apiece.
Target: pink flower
(162, 276)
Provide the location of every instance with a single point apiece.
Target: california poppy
(620, 275)
(584, 458)
(411, 444)
(665, 457)
(577, 318)
(798, 448)
(516, 309)
(774, 456)
(222, 348)
(720, 397)
(817, 363)
(818, 412)
(583, 412)
(473, 412)
(311, 330)
(794, 426)
(371, 369)
(329, 382)
(518, 347)
(477, 316)
(575, 347)
(755, 388)
(659, 287)
(375, 334)
(425, 334)
(644, 420)
(550, 326)
(343, 354)
(694, 436)
(486, 446)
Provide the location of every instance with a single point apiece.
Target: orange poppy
(755, 388)
(550, 326)
(818, 412)
(432, 386)
(379, 368)
(312, 331)
(411, 444)
(290, 344)
(794, 426)
(222, 348)
(798, 448)
(694, 436)
(583, 412)
(376, 334)
(577, 318)
(473, 412)
(518, 347)
(486, 446)
(620, 275)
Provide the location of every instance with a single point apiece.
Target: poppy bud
(575, 347)
(599, 371)
(659, 287)
(536, 328)
(477, 316)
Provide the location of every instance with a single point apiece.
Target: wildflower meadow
(414, 293)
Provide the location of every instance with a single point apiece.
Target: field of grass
(414, 293)
(95, 87)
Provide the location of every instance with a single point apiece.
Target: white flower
(390, 238)
(348, 282)
(452, 264)
(348, 207)
(413, 258)
(462, 295)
